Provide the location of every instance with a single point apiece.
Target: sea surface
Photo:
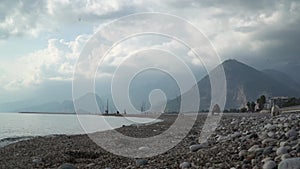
(20, 126)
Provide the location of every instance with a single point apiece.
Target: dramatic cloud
(255, 32)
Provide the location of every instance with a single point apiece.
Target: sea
(15, 127)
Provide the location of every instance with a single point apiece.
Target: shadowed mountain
(283, 78)
(244, 83)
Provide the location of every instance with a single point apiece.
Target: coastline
(230, 146)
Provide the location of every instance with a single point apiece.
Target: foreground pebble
(184, 165)
(269, 165)
(291, 163)
(67, 166)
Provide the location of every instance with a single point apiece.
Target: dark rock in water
(141, 162)
(290, 163)
(67, 166)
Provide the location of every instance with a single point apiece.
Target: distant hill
(244, 83)
(67, 106)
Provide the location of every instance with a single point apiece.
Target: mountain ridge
(244, 83)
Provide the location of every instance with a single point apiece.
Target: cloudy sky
(40, 41)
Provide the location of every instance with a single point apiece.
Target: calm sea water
(16, 126)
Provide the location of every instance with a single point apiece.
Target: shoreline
(241, 141)
(14, 139)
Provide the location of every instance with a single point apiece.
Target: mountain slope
(244, 83)
(283, 78)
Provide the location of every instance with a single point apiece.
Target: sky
(40, 41)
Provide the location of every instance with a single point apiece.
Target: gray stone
(271, 134)
(141, 162)
(67, 166)
(269, 165)
(255, 149)
(184, 165)
(291, 133)
(269, 141)
(268, 150)
(242, 153)
(290, 163)
(281, 150)
(235, 135)
(285, 156)
(37, 160)
(197, 147)
(270, 126)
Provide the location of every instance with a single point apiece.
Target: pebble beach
(241, 141)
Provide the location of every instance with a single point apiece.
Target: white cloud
(236, 32)
(52, 63)
(33, 17)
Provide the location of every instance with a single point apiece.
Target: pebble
(37, 160)
(281, 150)
(67, 166)
(269, 141)
(290, 163)
(268, 150)
(141, 162)
(242, 153)
(269, 165)
(184, 165)
(197, 147)
(285, 156)
(291, 133)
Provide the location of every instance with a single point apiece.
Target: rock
(285, 156)
(271, 134)
(281, 150)
(67, 166)
(269, 141)
(184, 165)
(266, 159)
(242, 153)
(270, 126)
(37, 160)
(255, 149)
(235, 135)
(90, 165)
(291, 133)
(269, 165)
(197, 147)
(290, 163)
(268, 150)
(141, 162)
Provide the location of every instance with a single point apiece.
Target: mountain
(244, 83)
(283, 78)
(84, 105)
(292, 69)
